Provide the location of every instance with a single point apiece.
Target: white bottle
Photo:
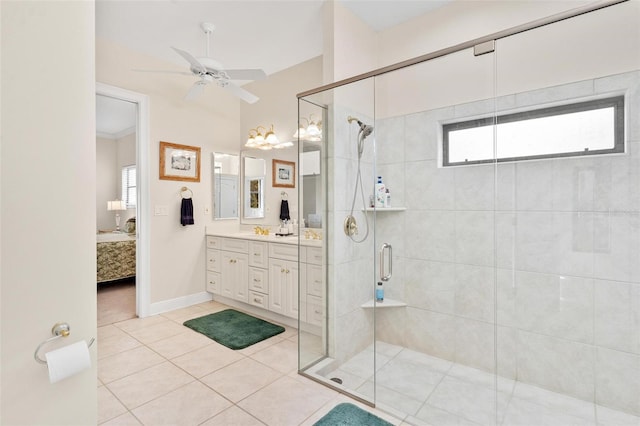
(380, 193)
(387, 200)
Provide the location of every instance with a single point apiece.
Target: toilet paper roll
(67, 361)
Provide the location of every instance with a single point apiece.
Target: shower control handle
(383, 276)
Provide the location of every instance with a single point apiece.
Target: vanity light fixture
(265, 142)
(312, 132)
(116, 205)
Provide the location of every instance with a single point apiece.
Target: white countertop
(272, 238)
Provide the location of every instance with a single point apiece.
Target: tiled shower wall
(537, 259)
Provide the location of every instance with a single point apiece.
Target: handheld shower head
(365, 129)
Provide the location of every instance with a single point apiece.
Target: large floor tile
(233, 416)
(108, 405)
(116, 343)
(286, 402)
(128, 362)
(144, 386)
(282, 356)
(206, 360)
(180, 344)
(191, 404)
(140, 323)
(157, 332)
(127, 419)
(241, 379)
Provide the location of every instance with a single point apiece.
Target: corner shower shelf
(387, 303)
(386, 209)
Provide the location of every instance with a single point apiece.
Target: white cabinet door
(283, 287)
(235, 275)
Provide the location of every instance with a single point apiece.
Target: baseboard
(179, 302)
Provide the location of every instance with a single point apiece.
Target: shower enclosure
(511, 245)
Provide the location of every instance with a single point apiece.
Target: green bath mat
(234, 329)
(349, 415)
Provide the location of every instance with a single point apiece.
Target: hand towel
(186, 212)
(284, 210)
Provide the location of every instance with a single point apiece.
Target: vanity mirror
(226, 168)
(253, 175)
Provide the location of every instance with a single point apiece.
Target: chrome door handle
(383, 276)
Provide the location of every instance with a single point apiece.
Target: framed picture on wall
(283, 174)
(179, 162)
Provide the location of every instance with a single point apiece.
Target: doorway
(122, 204)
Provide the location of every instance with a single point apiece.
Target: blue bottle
(379, 292)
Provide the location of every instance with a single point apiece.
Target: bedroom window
(129, 186)
(584, 128)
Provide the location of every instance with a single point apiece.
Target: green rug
(350, 415)
(234, 329)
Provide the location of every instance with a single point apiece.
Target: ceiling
(269, 34)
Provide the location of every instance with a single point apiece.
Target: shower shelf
(388, 303)
(386, 209)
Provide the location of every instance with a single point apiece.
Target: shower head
(365, 129)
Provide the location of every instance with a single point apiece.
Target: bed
(116, 254)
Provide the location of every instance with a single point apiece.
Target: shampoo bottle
(379, 292)
(380, 193)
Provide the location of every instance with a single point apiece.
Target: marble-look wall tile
(475, 343)
(428, 187)
(617, 244)
(474, 292)
(475, 187)
(430, 285)
(430, 332)
(474, 239)
(389, 137)
(617, 380)
(430, 235)
(556, 364)
(558, 306)
(617, 315)
(422, 134)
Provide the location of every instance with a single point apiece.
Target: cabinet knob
(256, 300)
(256, 280)
(287, 271)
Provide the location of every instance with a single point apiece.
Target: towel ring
(284, 195)
(59, 330)
(185, 189)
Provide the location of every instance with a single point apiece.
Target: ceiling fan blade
(195, 91)
(195, 64)
(241, 93)
(246, 74)
(165, 71)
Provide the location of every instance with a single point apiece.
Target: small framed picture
(179, 162)
(283, 174)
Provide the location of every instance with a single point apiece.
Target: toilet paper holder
(60, 329)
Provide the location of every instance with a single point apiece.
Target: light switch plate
(161, 211)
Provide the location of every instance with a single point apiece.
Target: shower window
(584, 128)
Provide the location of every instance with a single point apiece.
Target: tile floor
(155, 371)
(425, 390)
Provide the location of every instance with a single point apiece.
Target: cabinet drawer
(232, 244)
(258, 299)
(213, 242)
(213, 282)
(283, 251)
(314, 255)
(213, 260)
(314, 280)
(258, 254)
(315, 310)
(259, 280)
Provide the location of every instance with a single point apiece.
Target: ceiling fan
(209, 70)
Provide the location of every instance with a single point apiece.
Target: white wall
(278, 105)
(211, 123)
(106, 181)
(48, 160)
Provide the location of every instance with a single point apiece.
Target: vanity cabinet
(267, 275)
(259, 274)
